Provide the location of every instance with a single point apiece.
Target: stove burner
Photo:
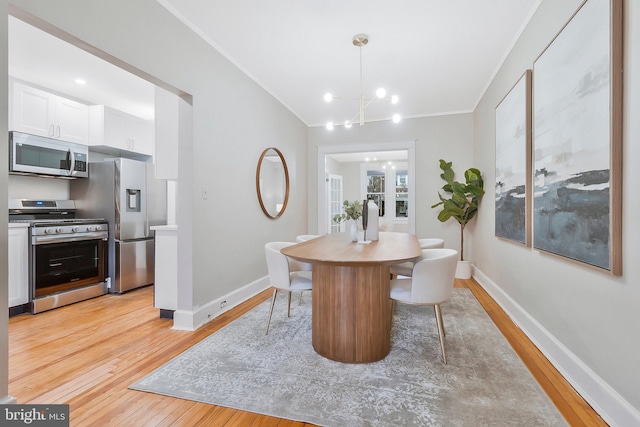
(50, 213)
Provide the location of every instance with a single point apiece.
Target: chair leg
(440, 331)
(300, 301)
(444, 333)
(273, 301)
(289, 306)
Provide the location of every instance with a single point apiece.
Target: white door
(334, 199)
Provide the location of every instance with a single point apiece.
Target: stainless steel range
(67, 255)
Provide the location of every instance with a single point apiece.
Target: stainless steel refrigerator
(125, 193)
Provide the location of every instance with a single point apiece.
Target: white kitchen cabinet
(18, 265)
(166, 268)
(38, 112)
(114, 131)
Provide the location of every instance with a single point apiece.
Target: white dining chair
(299, 265)
(281, 277)
(405, 268)
(431, 283)
(431, 243)
(304, 237)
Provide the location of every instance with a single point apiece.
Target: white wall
(350, 172)
(31, 187)
(447, 137)
(587, 320)
(233, 121)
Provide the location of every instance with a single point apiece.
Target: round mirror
(272, 182)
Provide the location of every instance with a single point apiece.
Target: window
(376, 176)
(402, 193)
(376, 188)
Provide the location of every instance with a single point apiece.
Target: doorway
(352, 162)
(56, 59)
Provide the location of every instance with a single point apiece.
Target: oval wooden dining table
(351, 308)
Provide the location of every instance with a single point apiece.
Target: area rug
(483, 384)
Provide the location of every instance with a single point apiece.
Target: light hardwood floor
(86, 355)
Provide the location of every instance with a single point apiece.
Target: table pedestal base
(351, 317)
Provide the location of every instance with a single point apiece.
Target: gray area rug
(483, 384)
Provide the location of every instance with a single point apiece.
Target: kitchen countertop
(18, 225)
(172, 227)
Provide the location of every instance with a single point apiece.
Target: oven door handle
(43, 240)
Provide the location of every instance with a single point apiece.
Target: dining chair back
(299, 265)
(304, 237)
(431, 283)
(431, 243)
(278, 265)
(433, 276)
(406, 268)
(281, 277)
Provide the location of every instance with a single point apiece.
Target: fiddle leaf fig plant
(460, 200)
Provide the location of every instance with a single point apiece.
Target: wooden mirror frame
(286, 178)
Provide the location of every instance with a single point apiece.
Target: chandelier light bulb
(396, 118)
(347, 124)
(328, 97)
(394, 99)
(330, 126)
(381, 93)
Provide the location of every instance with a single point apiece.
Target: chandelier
(359, 41)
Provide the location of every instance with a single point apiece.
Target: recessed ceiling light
(81, 81)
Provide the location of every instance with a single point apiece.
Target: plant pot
(463, 270)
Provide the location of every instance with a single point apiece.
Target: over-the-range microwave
(31, 154)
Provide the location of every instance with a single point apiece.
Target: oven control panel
(54, 233)
(69, 229)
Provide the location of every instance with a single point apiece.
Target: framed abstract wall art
(513, 163)
(577, 139)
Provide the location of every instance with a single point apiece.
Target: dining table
(351, 308)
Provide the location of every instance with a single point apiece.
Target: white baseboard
(612, 407)
(190, 320)
(8, 400)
